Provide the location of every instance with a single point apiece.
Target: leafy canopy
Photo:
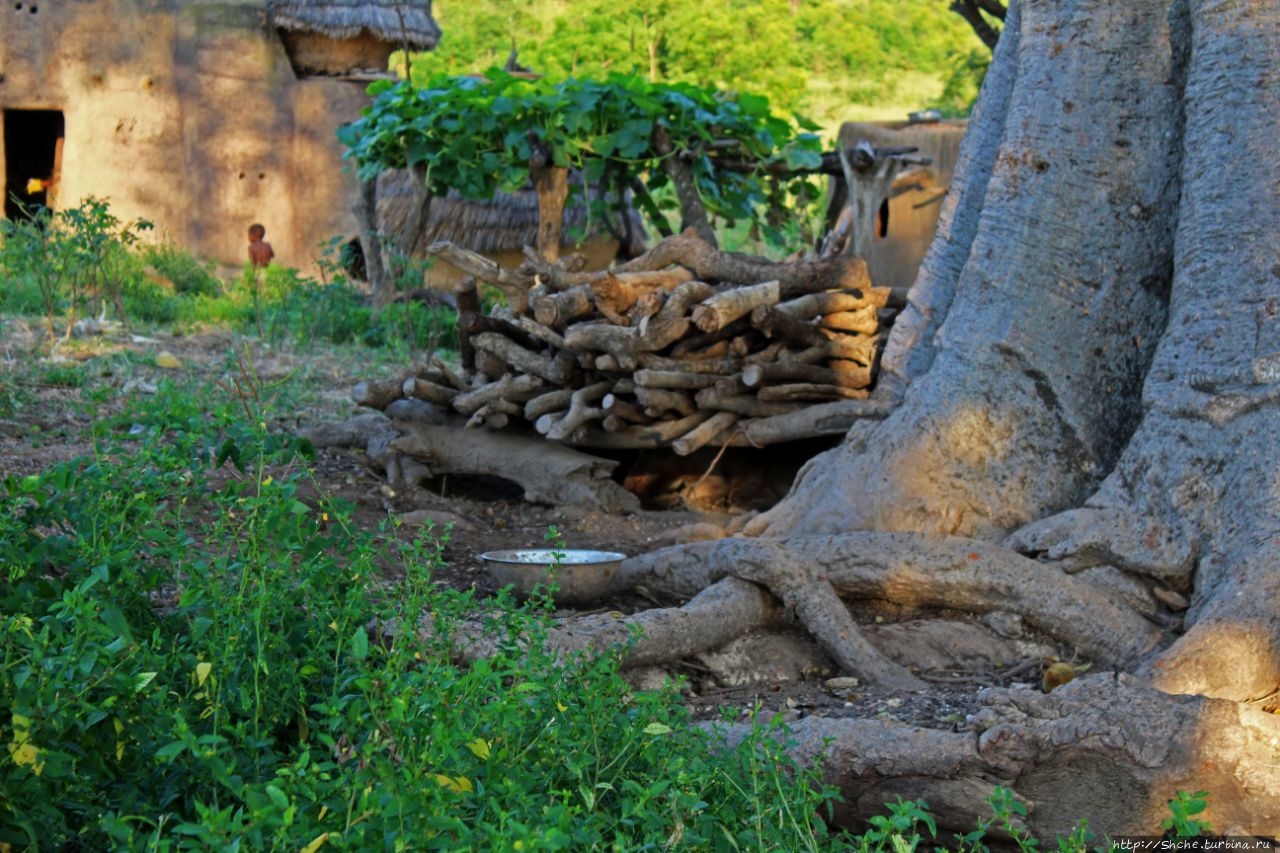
(476, 135)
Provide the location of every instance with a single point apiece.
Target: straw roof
(508, 222)
(394, 21)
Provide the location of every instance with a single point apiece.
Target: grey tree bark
(1085, 429)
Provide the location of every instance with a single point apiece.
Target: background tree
(822, 58)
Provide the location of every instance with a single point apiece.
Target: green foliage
(817, 57)
(187, 274)
(1183, 808)
(196, 660)
(74, 256)
(476, 135)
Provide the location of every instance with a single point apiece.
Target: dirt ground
(49, 423)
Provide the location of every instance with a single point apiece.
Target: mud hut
(909, 216)
(201, 117)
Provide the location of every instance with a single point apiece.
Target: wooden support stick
(514, 286)
(422, 389)
(674, 379)
(816, 304)
(515, 389)
(580, 411)
(552, 401)
(624, 410)
(723, 308)
(791, 329)
(741, 404)
(810, 391)
(555, 371)
(704, 433)
(557, 310)
(779, 373)
(658, 401)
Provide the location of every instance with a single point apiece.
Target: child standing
(260, 251)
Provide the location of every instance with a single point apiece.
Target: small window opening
(33, 159)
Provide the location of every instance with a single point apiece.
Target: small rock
(893, 703)
(1005, 624)
(438, 517)
(167, 360)
(844, 682)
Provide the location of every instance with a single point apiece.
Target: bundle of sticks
(682, 347)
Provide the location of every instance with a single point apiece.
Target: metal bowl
(580, 576)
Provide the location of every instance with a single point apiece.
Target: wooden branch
(659, 401)
(559, 309)
(794, 278)
(496, 414)
(809, 391)
(580, 411)
(704, 433)
(531, 328)
(422, 389)
(623, 410)
(555, 371)
(556, 276)
(438, 371)
(472, 325)
(815, 304)
(468, 299)
(813, 421)
(515, 389)
(778, 373)
(377, 394)
(776, 324)
(742, 404)
(551, 183)
(674, 379)
(696, 346)
(552, 401)
(657, 434)
(488, 368)
(616, 293)
(720, 366)
(682, 179)
(514, 286)
(723, 308)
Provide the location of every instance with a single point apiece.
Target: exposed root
(720, 613)
(1085, 537)
(910, 569)
(1105, 748)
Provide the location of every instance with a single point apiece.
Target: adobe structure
(910, 215)
(202, 117)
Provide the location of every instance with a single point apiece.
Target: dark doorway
(33, 159)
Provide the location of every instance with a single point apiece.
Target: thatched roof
(394, 21)
(508, 222)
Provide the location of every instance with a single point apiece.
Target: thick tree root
(910, 569)
(1104, 748)
(720, 613)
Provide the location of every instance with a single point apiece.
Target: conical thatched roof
(394, 21)
(508, 222)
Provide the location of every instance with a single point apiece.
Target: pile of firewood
(683, 347)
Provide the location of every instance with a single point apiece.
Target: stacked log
(684, 347)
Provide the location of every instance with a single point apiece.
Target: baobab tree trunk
(1086, 388)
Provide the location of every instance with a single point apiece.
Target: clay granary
(202, 116)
